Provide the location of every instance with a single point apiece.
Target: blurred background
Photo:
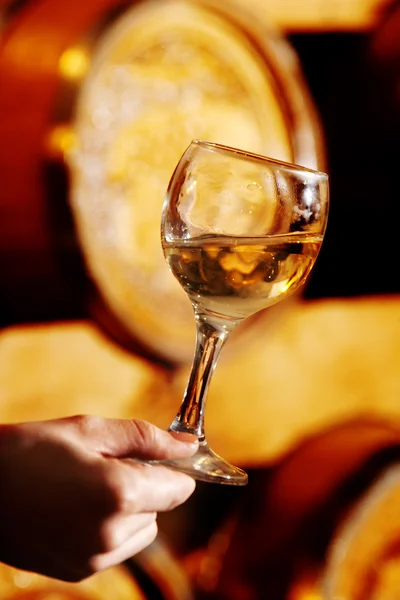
(98, 100)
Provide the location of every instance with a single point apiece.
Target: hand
(72, 504)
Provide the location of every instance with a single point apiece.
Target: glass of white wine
(240, 232)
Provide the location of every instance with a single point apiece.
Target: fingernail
(182, 436)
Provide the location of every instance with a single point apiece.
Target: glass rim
(257, 157)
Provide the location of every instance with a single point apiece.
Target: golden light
(305, 590)
(60, 141)
(74, 63)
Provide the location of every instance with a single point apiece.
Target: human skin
(72, 500)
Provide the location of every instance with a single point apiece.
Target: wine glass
(240, 232)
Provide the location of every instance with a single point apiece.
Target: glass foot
(207, 466)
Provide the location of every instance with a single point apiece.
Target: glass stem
(210, 338)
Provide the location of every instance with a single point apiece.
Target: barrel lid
(160, 75)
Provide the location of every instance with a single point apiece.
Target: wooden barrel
(323, 523)
(98, 100)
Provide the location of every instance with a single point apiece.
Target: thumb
(125, 438)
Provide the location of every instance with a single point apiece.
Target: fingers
(93, 503)
(132, 546)
(116, 531)
(121, 438)
(76, 568)
(150, 442)
(141, 488)
(140, 492)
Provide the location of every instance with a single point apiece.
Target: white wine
(234, 277)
